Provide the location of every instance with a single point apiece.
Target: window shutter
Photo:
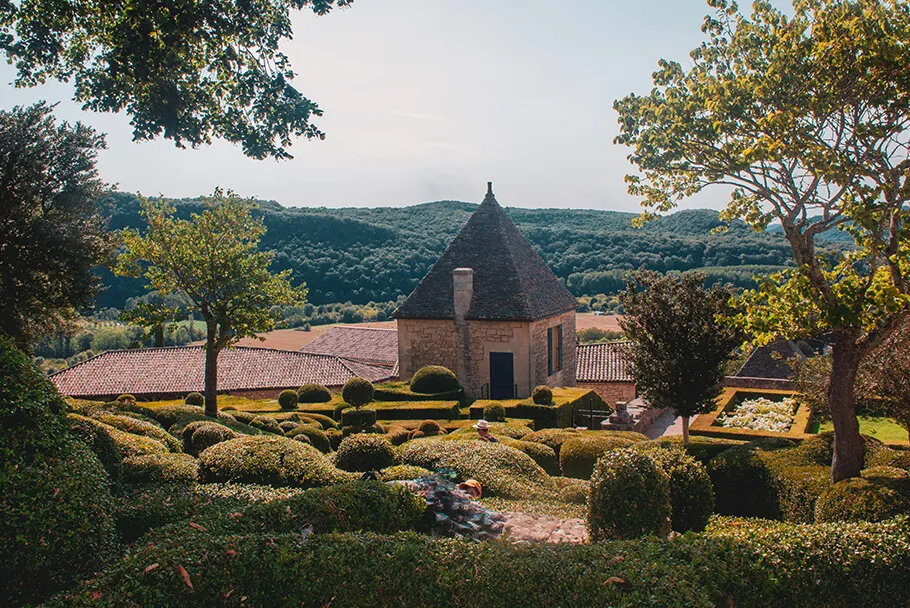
(549, 351)
(559, 346)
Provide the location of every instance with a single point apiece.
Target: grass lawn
(883, 429)
(536, 507)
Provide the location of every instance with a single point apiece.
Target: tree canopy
(212, 260)
(188, 71)
(679, 341)
(52, 233)
(806, 119)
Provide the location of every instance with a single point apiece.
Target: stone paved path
(525, 527)
(668, 424)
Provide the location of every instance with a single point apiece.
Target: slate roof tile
(602, 362)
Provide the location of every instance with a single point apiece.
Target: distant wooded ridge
(378, 254)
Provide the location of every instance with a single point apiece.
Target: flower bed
(761, 414)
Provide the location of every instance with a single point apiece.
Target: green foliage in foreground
(739, 563)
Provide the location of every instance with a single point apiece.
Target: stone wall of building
(424, 342)
(611, 392)
(539, 355)
(485, 337)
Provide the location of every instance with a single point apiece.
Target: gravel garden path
(525, 527)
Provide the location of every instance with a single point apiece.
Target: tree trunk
(211, 371)
(685, 425)
(848, 445)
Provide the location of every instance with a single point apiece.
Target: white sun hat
(482, 424)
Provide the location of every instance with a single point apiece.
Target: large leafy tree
(805, 118)
(678, 340)
(51, 231)
(211, 259)
(188, 71)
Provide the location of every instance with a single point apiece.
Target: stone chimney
(463, 289)
(463, 283)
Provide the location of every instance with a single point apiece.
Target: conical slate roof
(511, 280)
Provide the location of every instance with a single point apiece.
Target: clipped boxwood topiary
(315, 437)
(134, 426)
(397, 435)
(744, 485)
(429, 428)
(357, 392)
(890, 458)
(203, 434)
(266, 423)
(403, 472)
(702, 449)
(325, 421)
(126, 398)
(542, 395)
(270, 460)
(99, 441)
(553, 438)
(155, 468)
(335, 436)
(494, 412)
(287, 399)
(629, 497)
(135, 445)
(289, 425)
(56, 516)
(195, 399)
(691, 492)
(434, 379)
(364, 452)
(541, 454)
(579, 454)
(358, 418)
(879, 495)
(313, 393)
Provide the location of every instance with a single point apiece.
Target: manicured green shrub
(195, 399)
(403, 472)
(335, 436)
(243, 417)
(691, 493)
(554, 438)
(289, 425)
(502, 470)
(397, 435)
(316, 437)
(357, 392)
(302, 438)
(270, 460)
(743, 483)
(702, 449)
(494, 412)
(890, 458)
(313, 393)
(135, 445)
(541, 454)
(498, 429)
(99, 441)
(202, 434)
(416, 434)
(325, 421)
(287, 399)
(56, 523)
(542, 395)
(145, 429)
(182, 420)
(434, 379)
(429, 428)
(574, 491)
(126, 398)
(629, 497)
(878, 495)
(266, 423)
(358, 418)
(154, 468)
(579, 454)
(364, 452)
(820, 449)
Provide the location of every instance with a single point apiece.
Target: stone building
(492, 311)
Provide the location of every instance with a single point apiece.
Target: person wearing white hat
(483, 431)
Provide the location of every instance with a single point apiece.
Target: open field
(587, 320)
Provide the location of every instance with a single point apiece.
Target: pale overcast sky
(429, 99)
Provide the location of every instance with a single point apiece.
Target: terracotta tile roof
(602, 362)
(364, 344)
(180, 370)
(511, 280)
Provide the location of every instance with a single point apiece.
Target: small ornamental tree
(805, 119)
(679, 343)
(214, 261)
(357, 392)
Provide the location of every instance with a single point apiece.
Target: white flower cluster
(761, 415)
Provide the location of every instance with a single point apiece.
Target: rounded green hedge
(287, 399)
(702, 449)
(325, 421)
(578, 455)
(56, 516)
(357, 392)
(364, 452)
(269, 460)
(744, 485)
(542, 395)
(434, 379)
(553, 438)
(403, 472)
(195, 399)
(629, 497)
(691, 492)
(358, 418)
(126, 398)
(154, 468)
(879, 495)
(890, 458)
(316, 437)
(397, 435)
(335, 436)
(266, 423)
(313, 393)
(134, 426)
(99, 441)
(429, 428)
(541, 454)
(135, 445)
(202, 434)
(820, 448)
(494, 412)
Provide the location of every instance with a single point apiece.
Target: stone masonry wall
(425, 342)
(539, 356)
(611, 392)
(485, 337)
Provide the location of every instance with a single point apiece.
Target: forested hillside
(361, 255)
